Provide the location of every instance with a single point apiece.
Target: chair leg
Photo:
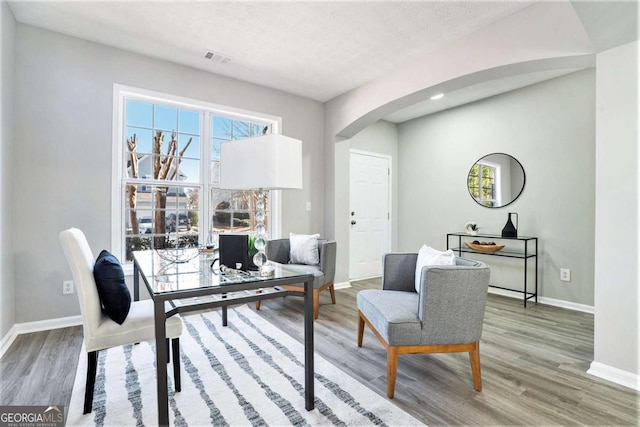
(474, 358)
(333, 294)
(360, 328)
(258, 302)
(92, 369)
(175, 346)
(392, 370)
(316, 303)
(168, 352)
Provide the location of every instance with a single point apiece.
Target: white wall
(382, 138)
(62, 160)
(7, 67)
(617, 293)
(549, 128)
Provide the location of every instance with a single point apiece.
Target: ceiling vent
(217, 57)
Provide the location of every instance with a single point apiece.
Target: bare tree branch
(132, 190)
(157, 150)
(179, 160)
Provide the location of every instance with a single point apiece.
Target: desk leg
(136, 282)
(161, 363)
(224, 315)
(309, 394)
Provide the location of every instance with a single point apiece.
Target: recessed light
(438, 96)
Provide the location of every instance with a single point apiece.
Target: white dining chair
(100, 332)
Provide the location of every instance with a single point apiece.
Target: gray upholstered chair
(277, 250)
(100, 332)
(446, 316)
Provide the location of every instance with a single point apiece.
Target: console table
(524, 255)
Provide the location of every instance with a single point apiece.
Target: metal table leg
(161, 362)
(309, 394)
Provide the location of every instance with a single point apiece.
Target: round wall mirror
(496, 180)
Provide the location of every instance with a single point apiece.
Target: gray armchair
(278, 251)
(446, 316)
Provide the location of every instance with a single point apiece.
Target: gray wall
(549, 128)
(617, 280)
(7, 287)
(63, 142)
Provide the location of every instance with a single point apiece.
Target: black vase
(509, 229)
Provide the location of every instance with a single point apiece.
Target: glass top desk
(190, 284)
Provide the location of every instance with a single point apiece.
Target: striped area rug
(249, 373)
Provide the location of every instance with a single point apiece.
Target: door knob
(353, 223)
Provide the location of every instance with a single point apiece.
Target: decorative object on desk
(252, 252)
(266, 162)
(471, 228)
(212, 239)
(486, 247)
(248, 373)
(234, 250)
(177, 255)
(509, 229)
(496, 180)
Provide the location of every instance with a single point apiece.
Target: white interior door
(369, 213)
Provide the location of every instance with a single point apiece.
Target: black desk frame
(161, 315)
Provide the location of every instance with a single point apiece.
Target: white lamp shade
(269, 162)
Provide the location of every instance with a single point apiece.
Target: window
(167, 174)
(482, 183)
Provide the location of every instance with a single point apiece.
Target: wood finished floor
(533, 366)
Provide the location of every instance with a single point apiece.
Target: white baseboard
(544, 300)
(37, 326)
(342, 285)
(7, 340)
(615, 375)
(567, 304)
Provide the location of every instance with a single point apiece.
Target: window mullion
(205, 196)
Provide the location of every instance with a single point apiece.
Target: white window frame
(496, 182)
(122, 92)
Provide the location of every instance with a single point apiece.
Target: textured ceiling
(317, 49)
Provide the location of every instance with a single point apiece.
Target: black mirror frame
(513, 199)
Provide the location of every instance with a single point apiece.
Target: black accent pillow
(112, 289)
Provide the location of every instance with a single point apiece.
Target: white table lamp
(266, 162)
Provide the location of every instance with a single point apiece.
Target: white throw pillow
(304, 249)
(429, 256)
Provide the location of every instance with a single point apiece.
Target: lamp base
(266, 270)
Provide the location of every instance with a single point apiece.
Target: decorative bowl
(484, 248)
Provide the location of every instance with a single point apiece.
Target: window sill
(128, 269)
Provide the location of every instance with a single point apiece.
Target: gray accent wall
(550, 128)
(7, 82)
(63, 143)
